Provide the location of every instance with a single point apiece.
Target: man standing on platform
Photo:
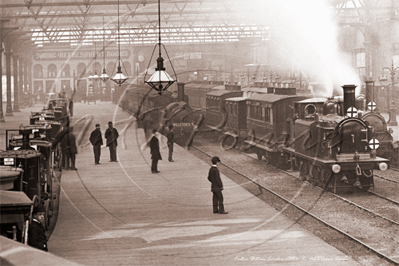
(96, 140)
(111, 134)
(68, 144)
(217, 187)
(70, 106)
(155, 154)
(171, 139)
(36, 233)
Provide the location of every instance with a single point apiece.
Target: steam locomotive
(317, 136)
(332, 144)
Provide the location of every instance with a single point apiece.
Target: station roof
(84, 22)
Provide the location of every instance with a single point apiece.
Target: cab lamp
(395, 145)
(9, 161)
(336, 168)
(383, 166)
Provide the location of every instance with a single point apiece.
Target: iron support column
(16, 86)
(8, 77)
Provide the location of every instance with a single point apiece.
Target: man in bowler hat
(36, 233)
(96, 140)
(216, 187)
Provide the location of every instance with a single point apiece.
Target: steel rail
(379, 254)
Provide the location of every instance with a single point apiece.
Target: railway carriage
(196, 92)
(269, 119)
(215, 103)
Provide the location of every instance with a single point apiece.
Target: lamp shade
(119, 78)
(160, 80)
(104, 77)
(95, 77)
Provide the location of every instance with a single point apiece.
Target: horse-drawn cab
(30, 153)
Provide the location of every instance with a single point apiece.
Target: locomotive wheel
(48, 206)
(228, 142)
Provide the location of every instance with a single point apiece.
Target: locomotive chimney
(349, 97)
(369, 91)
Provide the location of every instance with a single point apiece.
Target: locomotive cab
(307, 109)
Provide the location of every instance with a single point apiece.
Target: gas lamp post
(391, 107)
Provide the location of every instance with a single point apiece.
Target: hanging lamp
(160, 80)
(104, 77)
(119, 78)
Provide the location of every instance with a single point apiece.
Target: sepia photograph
(199, 132)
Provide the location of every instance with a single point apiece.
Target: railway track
(391, 172)
(306, 212)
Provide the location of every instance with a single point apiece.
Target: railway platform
(119, 213)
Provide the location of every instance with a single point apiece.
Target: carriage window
(259, 113)
(267, 114)
(263, 114)
(271, 116)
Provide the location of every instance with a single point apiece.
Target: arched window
(98, 68)
(52, 71)
(38, 71)
(66, 71)
(81, 70)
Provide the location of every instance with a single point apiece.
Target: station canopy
(80, 22)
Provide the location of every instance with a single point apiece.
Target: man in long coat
(69, 148)
(111, 134)
(155, 154)
(216, 187)
(96, 140)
